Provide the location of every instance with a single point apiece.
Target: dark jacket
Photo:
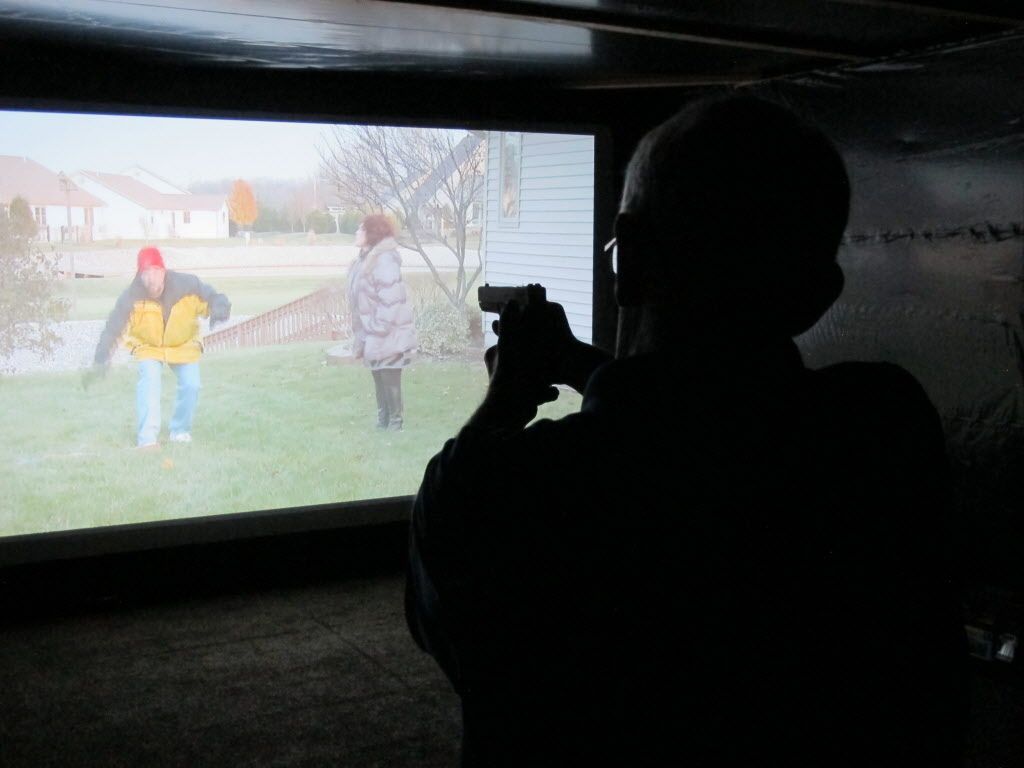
(733, 565)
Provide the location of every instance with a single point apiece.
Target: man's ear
(630, 274)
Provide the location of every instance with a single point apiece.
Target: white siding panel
(541, 139)
(552, 177)
(578, 160)
(554, 192)
(562, 204)
(542, 244)
(519, 261)
(546, 215)
(554, 148)
(578, 289)
(551, 242)
(573, 231)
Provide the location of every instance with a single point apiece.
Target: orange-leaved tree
(242, 204)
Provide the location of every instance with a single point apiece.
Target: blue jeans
(147, 399)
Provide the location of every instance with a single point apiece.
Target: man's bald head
(735, 205)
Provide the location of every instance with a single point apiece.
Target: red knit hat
(149, 257)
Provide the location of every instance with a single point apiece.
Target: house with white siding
(62, 212)
(142, 205)
(539, 219)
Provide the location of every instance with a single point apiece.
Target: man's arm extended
(219, 306)
(114, 327)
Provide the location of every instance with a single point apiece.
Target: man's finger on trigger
(511, 313)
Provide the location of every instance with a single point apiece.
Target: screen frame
(87, 543)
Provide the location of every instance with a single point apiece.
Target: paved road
(255, 260)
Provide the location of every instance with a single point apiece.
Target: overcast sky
(182, 150)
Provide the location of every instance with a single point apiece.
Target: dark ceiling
(563, 43)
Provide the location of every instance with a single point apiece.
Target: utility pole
(67, 186)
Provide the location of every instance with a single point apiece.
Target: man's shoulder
(179, 285)
(881, 396)
(864, 380)
(180, 279)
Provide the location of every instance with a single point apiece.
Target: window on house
(511, 163)
(187, 217)
(40, 216)
(476, 213)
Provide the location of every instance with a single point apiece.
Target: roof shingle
(24, 177)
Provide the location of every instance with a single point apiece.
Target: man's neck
(666, 332)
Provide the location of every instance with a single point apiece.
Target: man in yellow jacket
(157, 317)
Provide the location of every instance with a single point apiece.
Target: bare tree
(406, 171)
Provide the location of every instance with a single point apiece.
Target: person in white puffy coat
(383, 325)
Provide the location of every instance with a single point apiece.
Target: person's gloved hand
(219, 312)
(93, 374)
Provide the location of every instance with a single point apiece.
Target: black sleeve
(116, 322)
(182, 284)
(219, 306)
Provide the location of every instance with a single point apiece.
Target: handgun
(493, 298)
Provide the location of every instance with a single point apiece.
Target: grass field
(275, 427)
(93, 298)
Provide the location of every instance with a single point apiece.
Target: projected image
(212, 316)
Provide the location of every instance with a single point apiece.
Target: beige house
(61, 212)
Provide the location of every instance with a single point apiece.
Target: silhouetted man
(724, 558)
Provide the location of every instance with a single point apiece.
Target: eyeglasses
(611, 250)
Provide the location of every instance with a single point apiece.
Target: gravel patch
(76, 348)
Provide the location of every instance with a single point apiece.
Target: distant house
(52, 206)
(142, 205)
(539, 223)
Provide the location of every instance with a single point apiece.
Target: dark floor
(322, 675)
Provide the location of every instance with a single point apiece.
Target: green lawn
(275, 427)
(93, 298)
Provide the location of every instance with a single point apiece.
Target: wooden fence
(322, 314)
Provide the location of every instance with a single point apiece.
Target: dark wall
(934, 260)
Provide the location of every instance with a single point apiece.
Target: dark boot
(380, 388)
(393, 388)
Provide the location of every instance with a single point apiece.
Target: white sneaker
(180, 437)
